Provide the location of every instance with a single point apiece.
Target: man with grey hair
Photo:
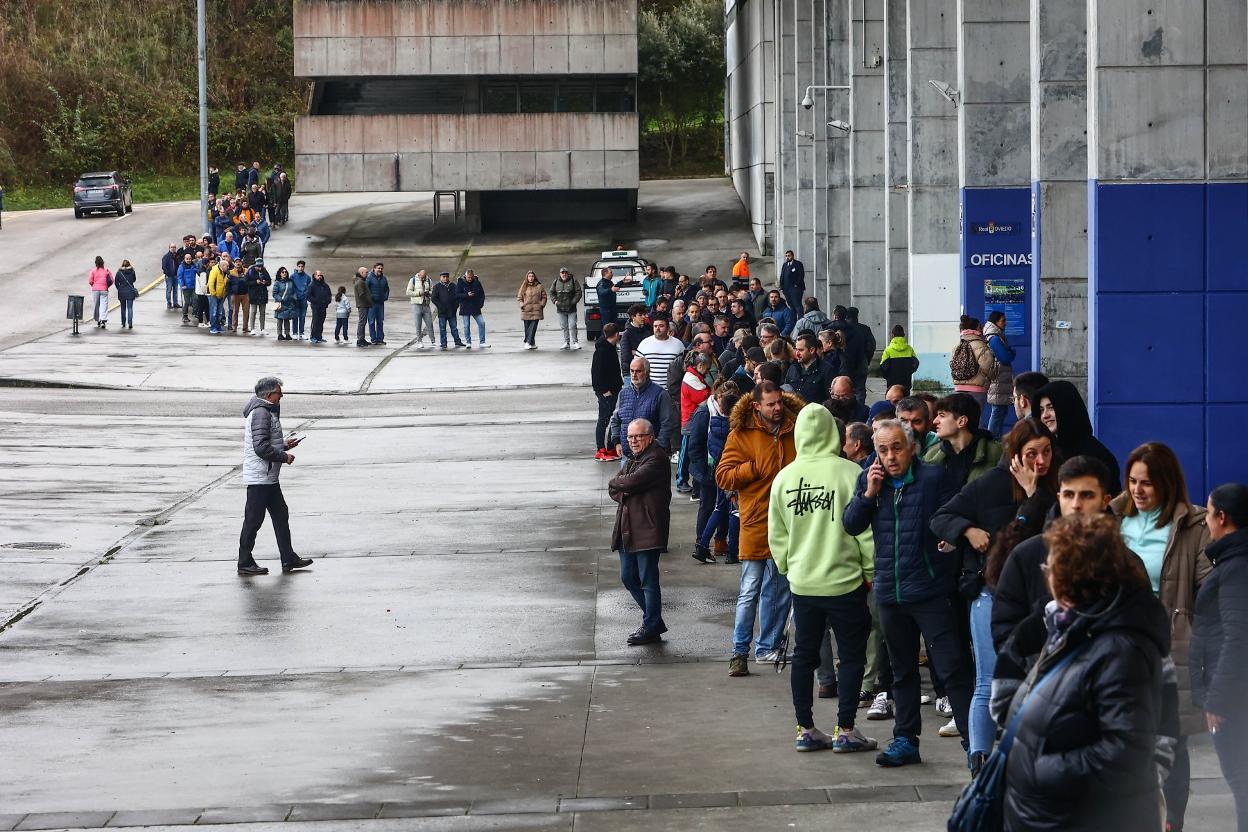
(265, 450)
(644, 492)
(915, 581)
(640, 399)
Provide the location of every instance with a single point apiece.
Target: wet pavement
(454, 659)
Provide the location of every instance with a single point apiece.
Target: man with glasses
(644, 493)
(641, 398)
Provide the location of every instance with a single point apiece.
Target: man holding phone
(265, 451)
(914, 581)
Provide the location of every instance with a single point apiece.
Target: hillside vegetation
(91, 84)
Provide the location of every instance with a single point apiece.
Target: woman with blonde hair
(531, 297)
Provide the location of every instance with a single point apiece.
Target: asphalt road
(455, 658)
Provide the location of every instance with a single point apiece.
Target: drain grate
(36, 546)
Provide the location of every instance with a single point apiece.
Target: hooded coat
(1219, 653)
(264, 444)
(812, 321)
(1083, 756)
(898, 363)
(125, 280)
(532, 300)
(908, 565)
(1184, 569)
(983, 357)
(808, 541)
(752, 457)
(1074, 428)
(643, 489)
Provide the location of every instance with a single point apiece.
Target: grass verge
(148, 187)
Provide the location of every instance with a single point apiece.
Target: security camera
(947, 91)
(842, 126)
(808, 102)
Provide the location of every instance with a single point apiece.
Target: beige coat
(532, 300)
(1183, 569)
(983, 357)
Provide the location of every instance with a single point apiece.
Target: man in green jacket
(829, 573)
(965, 451)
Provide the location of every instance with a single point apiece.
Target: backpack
(963, 366)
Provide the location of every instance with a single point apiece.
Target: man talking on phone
(265, 450)
(914, 581)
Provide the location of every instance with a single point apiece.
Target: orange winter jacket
(751, 459)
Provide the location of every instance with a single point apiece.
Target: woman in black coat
(1083, 755)
(1061, 408)
(1219, 653)
(319, 296)
(127, 293)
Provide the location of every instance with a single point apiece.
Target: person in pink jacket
(100, 279)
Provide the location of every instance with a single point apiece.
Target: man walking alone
(265, 451)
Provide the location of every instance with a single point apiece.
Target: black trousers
(849, 620)
(1231, 743)
(936, 620)
(530, 332)
(318, 322)
(1178, 785)
(262, 498)
(606, 406)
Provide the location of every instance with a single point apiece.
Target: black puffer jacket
(1083, 757)
(986, 503)
(1219, 652)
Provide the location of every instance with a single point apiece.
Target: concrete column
(1168, 214)
(994, 164)
(803, 76)
(786, 137)
(932, 135)
(811, 121)
(1059, 189)
(867, 195)
(896, 159)
(837, 288)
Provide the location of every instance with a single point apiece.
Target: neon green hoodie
(898, 348)
(808, 499)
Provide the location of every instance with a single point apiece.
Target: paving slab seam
(143, 526)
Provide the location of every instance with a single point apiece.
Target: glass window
(614, 98)
(499, 98)
(537, 98)
(576, 98)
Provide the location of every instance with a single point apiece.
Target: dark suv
(108, 191)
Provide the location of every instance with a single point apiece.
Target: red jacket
(693, 391)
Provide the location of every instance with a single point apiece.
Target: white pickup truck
(624, 265)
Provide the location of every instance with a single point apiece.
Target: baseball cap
(565, 269)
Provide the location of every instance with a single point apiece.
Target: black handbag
(979, 808)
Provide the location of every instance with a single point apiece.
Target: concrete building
(528, 107)
(1081, 165)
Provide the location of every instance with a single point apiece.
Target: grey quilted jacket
(264, 444)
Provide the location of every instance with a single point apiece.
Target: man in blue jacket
(186, 282)
(641, 399)
(780, 312)
(915, 581)
(793, 280)
(379, 291)
(471, 296)
(302, 281)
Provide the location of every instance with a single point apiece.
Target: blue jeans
(468, 319)
(127, 311)
(377, 322)
(301, 314)
(983, 728)
(723, 522)
(216, 307)
(442, 322)
(682, 465)
(996, 419)
(171, 291)
(639, 572)
(766, 592)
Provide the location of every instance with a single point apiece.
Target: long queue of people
(1097, 627)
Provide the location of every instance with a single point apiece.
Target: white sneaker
(484, 345)
(949, 729)
(881, 708)
(926, 699)
(943, 707)
(768, 656)
(576, 345)
(565, 346)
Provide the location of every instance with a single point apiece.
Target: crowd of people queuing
(1087, 625)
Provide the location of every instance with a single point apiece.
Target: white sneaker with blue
(812, 739)
(851, 740)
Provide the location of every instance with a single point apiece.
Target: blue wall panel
(1152, 347)
(1228, 232)
(1125, 427)
(1150, 238)
(1168, 318)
